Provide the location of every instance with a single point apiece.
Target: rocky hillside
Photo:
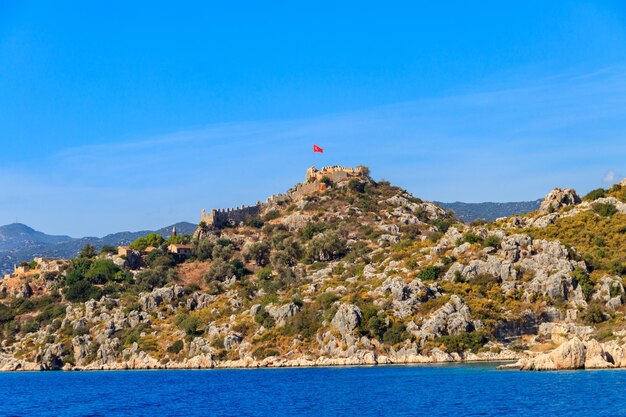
(359, 272)
(19, 243)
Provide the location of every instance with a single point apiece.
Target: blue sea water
(446, 390)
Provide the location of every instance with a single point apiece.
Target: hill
(19, 242)
(340, 270)
(468, 212)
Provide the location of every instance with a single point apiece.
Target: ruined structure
(316, 180)
(334, 173)
(230, 217)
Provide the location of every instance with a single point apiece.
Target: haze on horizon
(134, 116)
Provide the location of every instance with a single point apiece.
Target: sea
(440, 390)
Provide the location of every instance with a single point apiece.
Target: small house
(124, 250)
(179, 249)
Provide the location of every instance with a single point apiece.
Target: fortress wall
(231, 216)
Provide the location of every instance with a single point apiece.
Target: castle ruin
(314, 182)
(220, 218)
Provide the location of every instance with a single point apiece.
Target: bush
(202, 249)
(132, 334)
(356, 186)
(220, 271)
(264, 319)
(493, 241)
(253, 221)
(271, 215)
(471, 238)
(160, 259)
(595, 194)
(463, 341)
(430, 273)
(82, 291)
(442, 225)
(326, 246)
(189, 324)
(395, 334)
(304, 323)
(153, 278)
(594, 315)
(312, 229)
(326, 300)
(605, 209)
(263, 352)
(585, 282)
(30, 327)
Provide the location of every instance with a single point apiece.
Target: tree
(202, 249)
(327, 246)
(108, 249)
(88, 252)
(259, 252)
(82, 291)
(101, 271)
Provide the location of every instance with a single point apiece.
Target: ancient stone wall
(230, 216)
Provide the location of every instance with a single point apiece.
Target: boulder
(558, 198)
(347, 318)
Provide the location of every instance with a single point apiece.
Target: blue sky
(119, 116)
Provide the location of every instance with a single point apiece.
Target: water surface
(445, 390)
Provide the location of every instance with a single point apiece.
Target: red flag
(317, 149)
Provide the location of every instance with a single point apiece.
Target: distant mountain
(17, 235)
(19, 242)
(489, 211)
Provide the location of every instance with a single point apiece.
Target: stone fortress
(315, 181)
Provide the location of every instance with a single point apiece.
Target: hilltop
(340, 269)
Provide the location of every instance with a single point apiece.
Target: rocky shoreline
(146, 362)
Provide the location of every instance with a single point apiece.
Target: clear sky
(128, 115)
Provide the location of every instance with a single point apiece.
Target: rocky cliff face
(361, 273)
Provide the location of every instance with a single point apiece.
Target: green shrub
(605, 209)
(493, 241)
(253, 221)
(594, 315)
(585, 282)
(395, 334)
(82, 291)
(463, 341)
(264, 319)
(30, 327)
(326, 300)
(101, 271)
(429, 273)
(305, 323)
(189, 324)
(471, 237)
(258, 252)
(263, 352)
(595, 194)
(326, 246)
(272, 215)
